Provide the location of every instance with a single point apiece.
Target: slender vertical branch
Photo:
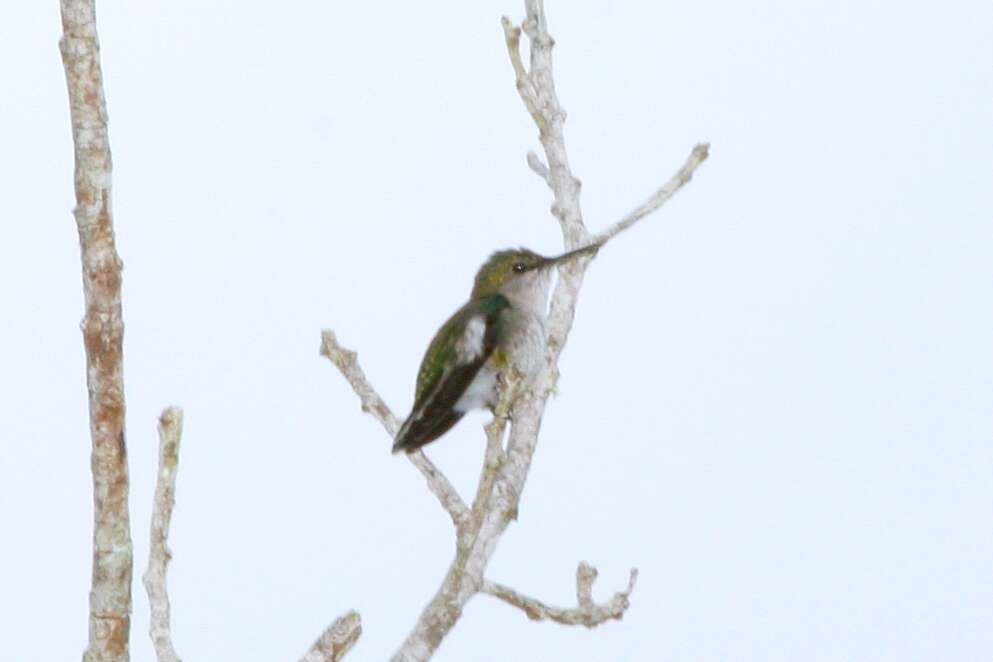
(170, 433)
(103, 330)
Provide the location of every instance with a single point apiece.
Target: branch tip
(511, 31)
(103, 332)
(336, 640)
(512, 35)
(698, 155)
(159, 556)
(537, 165)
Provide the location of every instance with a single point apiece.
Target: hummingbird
(502, 325)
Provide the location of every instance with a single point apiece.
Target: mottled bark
(336, 640)
(103, 331)
(170, 434)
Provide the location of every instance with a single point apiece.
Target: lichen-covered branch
(154, 579)
(103, 331)
(336, 640)
(588, 613)
(347, 363)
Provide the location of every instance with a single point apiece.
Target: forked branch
(587, 613)
(507, 464)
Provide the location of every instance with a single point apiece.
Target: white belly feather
(481, 394)
(525, 345)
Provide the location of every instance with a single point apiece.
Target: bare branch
(347, 362)
(537, 165)
(335, 641)
(512, 35)
(502, 481)
(441, 488)
(110, 594)
(587, 613)
(525, 86)
(660, 197)
(170, 433)
(537, 91)
(511, 389)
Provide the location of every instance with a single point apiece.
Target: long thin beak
(565, 257)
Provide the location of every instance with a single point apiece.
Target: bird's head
(520, 271)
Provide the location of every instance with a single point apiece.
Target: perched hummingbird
(503, 324)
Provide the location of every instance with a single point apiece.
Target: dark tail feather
(415, 433)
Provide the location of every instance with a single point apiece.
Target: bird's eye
(520, 267)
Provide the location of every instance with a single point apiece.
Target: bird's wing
(454, 357)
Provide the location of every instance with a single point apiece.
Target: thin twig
(336, 640)
(170, 433)
(525, 85)
(660, 197)
(103, 331)
(347, 362)
(537, 165)
(588, 613)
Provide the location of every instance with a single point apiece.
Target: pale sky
(776, 401)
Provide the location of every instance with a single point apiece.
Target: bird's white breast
(482, 392)
(525, 343)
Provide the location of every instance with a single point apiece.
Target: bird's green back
(442, 350)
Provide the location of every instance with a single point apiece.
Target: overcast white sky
(776, 401)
